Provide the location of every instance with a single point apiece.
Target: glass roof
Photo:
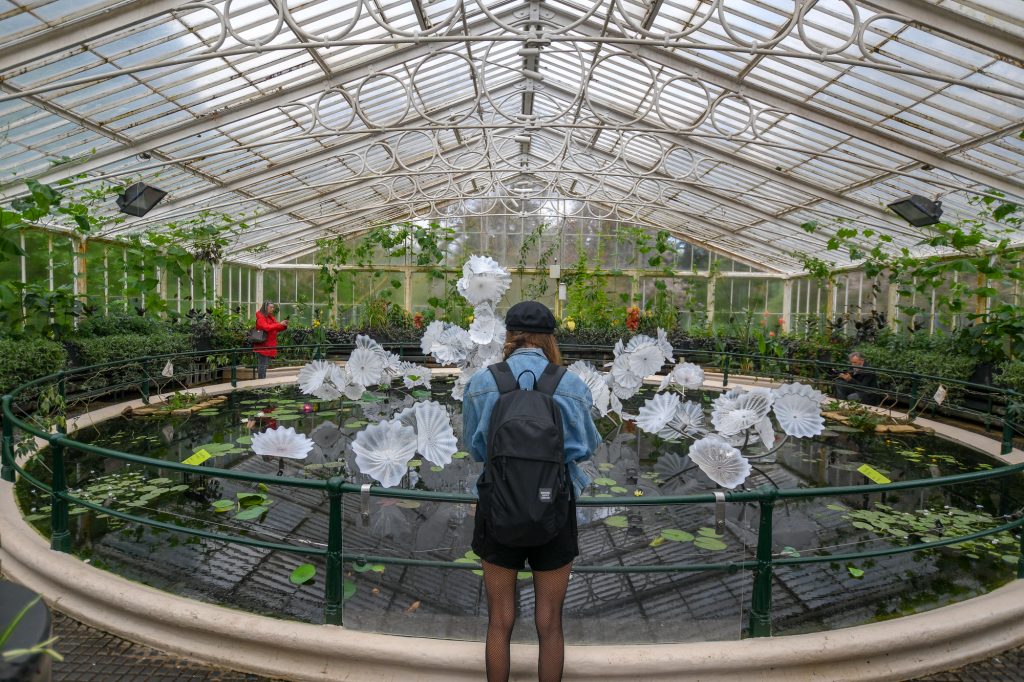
(728, 122)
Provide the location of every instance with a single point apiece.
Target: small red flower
(417, 320)
(632, 318)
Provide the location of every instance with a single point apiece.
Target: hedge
(102, 349)
(22, 361)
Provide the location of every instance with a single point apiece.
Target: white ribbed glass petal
(282, 442)
(383, 451)
(722, 463)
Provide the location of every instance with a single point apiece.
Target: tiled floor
(94, 656)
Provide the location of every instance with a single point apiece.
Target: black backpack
(525, 491)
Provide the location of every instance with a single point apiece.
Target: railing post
(234, 369)
(7, 454)
(335, 581)
(1007, 444)
(145, 390)
(725, 370)
(60, 537)
(761, 601)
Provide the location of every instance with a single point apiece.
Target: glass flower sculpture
(282, 442)
(722, 463)
(383, 451)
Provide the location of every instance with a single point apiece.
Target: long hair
(515, 340)
(264, 309)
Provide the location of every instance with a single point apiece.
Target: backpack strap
(549, 380)
(503, 377)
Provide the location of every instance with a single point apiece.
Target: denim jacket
(572, 397)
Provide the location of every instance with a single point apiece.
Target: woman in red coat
(267, 349)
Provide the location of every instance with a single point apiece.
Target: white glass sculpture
(383, 451)
(282, 442)
(722, 463)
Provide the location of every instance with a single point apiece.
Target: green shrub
(1011, 375)
(24, 360)
(936, 363)
(99, 350)
(115, 324)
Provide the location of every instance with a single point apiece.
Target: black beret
(530, 316)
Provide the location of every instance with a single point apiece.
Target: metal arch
(931, 17)
(682, 216)
(252, 107)
(867, 134)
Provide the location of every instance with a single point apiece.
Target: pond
(600, 608)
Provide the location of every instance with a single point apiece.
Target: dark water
(600, 608)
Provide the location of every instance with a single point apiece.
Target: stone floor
(94, 656)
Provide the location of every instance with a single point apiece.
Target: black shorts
(553, 554)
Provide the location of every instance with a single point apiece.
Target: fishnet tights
(549, 588)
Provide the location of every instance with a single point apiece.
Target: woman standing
(529, 347)
(265, 321)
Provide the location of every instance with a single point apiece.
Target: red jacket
(271, 326)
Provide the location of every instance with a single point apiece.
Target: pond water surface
(600, 608)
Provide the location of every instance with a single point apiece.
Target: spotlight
(917, 210)
(139, 198)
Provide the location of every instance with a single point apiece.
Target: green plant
(21, 361)
(43, 647)
(1011, 375)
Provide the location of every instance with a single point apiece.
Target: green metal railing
(762, 566)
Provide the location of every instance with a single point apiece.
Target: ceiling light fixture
(918, 210)
(139, 199)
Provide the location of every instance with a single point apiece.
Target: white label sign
(940, 394)
(168, 370)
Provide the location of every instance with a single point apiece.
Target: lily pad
(676, 535)
(618, 489)
(460, 455)
(708, 533)
(350, 590)
(251, 513)
(223, 505)
(617, 521)
(605, 481)
(160, 481)
(855, 572)
(302, 574)
(244, 440)
(710, 544)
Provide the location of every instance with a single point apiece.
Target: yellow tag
(198, 458)
(873, 474)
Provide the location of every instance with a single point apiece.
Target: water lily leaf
(605, 481)
(605, 466)
(618, 489)
(244, 440)
(362, 568)
(658, 541)
(415, 463)
(836, 507)
(709, 533)
(223, 505)
(178, 488)
(251, 513)
(789, 551)
(855, 572)
(436, 468)
(350, 590)
(676, 535)
(420, 394)
(862, 525)
(1010, 558)
(378, 568)
(472, 555)
(40, 517)
(302, 574)
(262, 487)
(710, 544)
(160, 481)
(616, 521)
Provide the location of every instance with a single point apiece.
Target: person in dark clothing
(858, 384)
